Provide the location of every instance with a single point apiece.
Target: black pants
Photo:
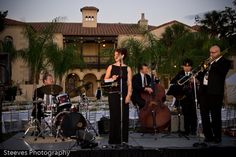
(190, 114)
(115, 123)
(37, 113)
(210, 105)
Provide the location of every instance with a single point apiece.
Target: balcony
(95, 61)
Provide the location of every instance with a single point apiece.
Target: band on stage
(192, 89)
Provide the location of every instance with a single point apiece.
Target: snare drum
(63, 101)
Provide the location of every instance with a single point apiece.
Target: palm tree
(35, 54)
(62, 60)
(174, 42)
(155, 51)
(136, 54)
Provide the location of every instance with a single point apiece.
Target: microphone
(121, 57)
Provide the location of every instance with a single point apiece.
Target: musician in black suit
(141, 83)
(185, 98)
(39, 95)
(211, 93)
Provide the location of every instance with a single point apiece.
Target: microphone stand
(199, 143)
(121, 101)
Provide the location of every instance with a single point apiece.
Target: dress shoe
(193, 133)
(217, 140)
(208, 140)
(87, 144)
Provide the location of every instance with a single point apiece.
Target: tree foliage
(62, 60)
(3, 15)
(220, 24)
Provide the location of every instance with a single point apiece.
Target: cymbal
(52, 89)
(76, 92)
(37, 101)
(79, 90)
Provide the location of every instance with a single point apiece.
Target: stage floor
(136, 140)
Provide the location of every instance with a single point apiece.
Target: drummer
(40, 95)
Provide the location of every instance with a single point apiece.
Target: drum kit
(60, 119)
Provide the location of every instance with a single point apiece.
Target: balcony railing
(95, 61)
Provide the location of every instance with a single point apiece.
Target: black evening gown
(115, 108)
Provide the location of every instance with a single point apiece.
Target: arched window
(8, 39)
(7, 44)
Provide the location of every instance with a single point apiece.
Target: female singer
(114, 73)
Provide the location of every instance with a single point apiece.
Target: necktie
(47, 100)
(145, 81)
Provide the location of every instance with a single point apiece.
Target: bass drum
(70, 123)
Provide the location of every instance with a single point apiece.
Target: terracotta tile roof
(102, 29)
(196, 27)
(89, 8)
(172, 22)
(12, 22)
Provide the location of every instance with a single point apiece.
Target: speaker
(85, 135)
(4, 68)
(103, 125)
(177, 122)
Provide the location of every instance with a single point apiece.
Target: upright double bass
(155, 114)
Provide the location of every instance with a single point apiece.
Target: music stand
(179, 122)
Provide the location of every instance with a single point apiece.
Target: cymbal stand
(86, 101)
(34, 124)
(59, 134)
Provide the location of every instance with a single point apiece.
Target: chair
(10, 120)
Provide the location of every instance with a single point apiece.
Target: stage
(139, 145)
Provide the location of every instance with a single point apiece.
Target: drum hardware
(79, 90)
(86, 104)
(51, 108)
(35, 125)
(73, 125)
(52, 89)
(59, 134)
(34, 122)
(63, 102)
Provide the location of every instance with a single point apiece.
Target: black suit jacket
(138, 89)
(216, 77)
(177, 90)
(38, 93)
(177, 77)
